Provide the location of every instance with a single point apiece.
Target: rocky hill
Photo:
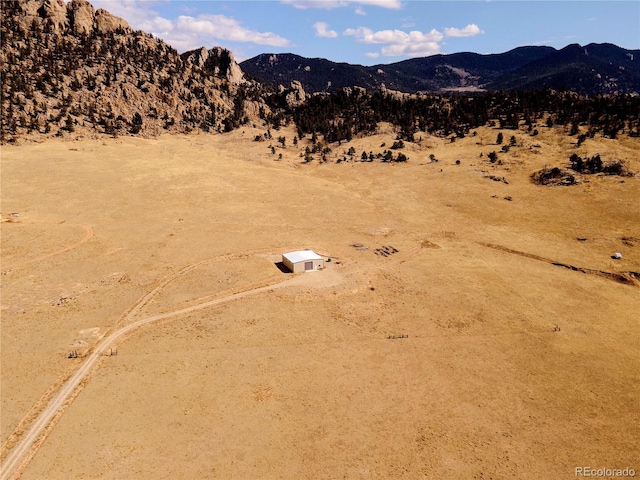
(70, 68)
(591, 70)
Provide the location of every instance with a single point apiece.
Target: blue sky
(370, 32)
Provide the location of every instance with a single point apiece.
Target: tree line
(343, 114)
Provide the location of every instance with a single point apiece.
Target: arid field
(500, 341)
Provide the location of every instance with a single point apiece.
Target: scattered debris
(385, 250)
(359, 246)
(508, 197)
(63, 300)
(394, 337)
(497, 179)
(616, 256)
(556, 328)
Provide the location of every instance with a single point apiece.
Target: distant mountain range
(592, 69)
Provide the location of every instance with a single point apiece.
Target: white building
(302, 261)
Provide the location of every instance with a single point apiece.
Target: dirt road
(56, 406)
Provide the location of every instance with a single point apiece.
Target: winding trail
(20, 453)
(87, 237)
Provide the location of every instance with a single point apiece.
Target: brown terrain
(500, 341)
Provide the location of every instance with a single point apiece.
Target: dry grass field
(509, 366)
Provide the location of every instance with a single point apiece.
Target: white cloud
(188, 32)
(330, 4)
(397, 37)
(222, 27)
(360, 11)
(372, 54)
(156, 25)
(541, 42)
(392, 4)
(398, 43)
(322, 30)
(469, 31)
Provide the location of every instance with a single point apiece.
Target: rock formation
(296, 95)
(70, 69)
(81, 16)
(218, 62)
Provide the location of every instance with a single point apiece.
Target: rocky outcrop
(76, 17)
(67, 69)
(105, 22)
(54, 12)
(296, 95)
(81, 16)
(218, 62)
(234, 72)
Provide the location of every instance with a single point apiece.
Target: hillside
(66, 67)
(594, 69)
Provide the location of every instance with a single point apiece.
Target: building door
(308, 266)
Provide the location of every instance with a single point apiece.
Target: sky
(371, 32)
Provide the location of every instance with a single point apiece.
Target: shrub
(553, 176)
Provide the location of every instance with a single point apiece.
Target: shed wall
(300, 266)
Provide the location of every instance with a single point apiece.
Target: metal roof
(301, 256)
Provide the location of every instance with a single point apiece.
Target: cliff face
(70, 68)
(218, 62)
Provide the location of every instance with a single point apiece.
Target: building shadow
(281, 266)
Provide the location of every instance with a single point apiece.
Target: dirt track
(87, 237)
(72, 387)
(445, 359)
